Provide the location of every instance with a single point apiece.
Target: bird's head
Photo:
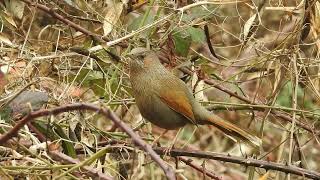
(142, 59)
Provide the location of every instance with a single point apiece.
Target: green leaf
(67, 146)
(134, 25)
(285, 96)
(182, 41)
(200, 12)
(45, 129)
(197, 34)
(5, 113)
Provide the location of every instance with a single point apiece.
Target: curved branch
(107, 113)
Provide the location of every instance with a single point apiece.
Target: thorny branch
(239, 160)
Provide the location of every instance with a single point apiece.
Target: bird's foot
(156, 141)
(171, 146)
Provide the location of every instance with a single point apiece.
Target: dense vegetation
(254, 63)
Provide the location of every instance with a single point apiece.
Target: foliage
(266, 53)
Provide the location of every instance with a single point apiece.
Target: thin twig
(299, 149)
(227, 105)
(200, 169)
(295, 79)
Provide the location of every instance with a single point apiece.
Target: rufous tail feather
(233, 131)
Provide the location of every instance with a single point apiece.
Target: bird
(167, 102)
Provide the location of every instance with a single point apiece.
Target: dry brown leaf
(54, 146)
(265, 176)
(5, 39)
(16, 8)
(248, 25)
(3, 81)
(112, 16)
(9, 19)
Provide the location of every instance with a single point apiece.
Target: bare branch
(239, 160)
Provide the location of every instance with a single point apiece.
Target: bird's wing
(178, 101)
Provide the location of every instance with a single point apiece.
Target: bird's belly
(167, 122)
(159, 114)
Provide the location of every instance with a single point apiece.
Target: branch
(238, 160)
(108, 114)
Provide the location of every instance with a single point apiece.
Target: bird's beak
(138, 51)
(137, 55)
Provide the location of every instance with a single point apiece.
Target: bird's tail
(231, 130)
